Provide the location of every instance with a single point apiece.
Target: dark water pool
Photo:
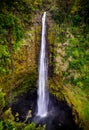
(59, 115)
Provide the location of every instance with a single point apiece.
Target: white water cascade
(43, 97)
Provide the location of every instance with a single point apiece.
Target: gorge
(49, 111)
(44, 65)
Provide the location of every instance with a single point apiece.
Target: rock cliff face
(58, 41)
(27, 56)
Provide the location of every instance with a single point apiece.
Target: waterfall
(43, 97)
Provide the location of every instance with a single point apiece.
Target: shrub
(31, 126)
(2, 100)
(1, 125)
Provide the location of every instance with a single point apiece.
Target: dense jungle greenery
(68, 38)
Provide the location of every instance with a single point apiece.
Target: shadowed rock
(59, 114)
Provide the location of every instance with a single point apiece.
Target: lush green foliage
(11, 125)
(79, 51)
(32, 126)
(15, 17)
(2, 101)
(72, 54)
(11, 33)
(71, 20)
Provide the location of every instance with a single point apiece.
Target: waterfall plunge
(43, 74)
